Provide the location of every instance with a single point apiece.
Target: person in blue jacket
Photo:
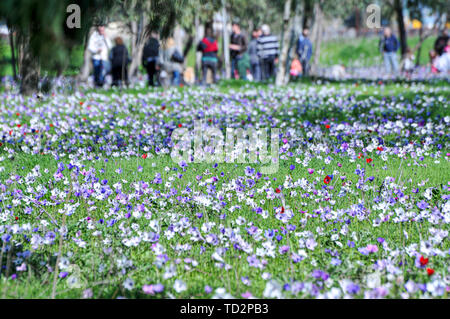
(304, 50)
(389, 47)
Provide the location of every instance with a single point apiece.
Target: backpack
(151, 49)
(177, 57)
(210, 46)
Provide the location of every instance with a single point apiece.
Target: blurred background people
(209, 48)
(255, 66)
(238, 47)
(172, 62)
(407, 65)
(119, 63)
(98, 46)
(150, 57)
(304, 50)
(389, 46)
(441, 42)
(268, 51)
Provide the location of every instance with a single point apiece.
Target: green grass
(364, 51)
(37, 281)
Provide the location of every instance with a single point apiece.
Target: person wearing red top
(208, 46)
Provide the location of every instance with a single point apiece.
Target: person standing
(119, 63)
(172, 61)
(255, 67)
(304, 50)
(238, 46)
(268, 51)
(209, 48)
(389, 46)
(98, 46)
(150, 57)
(441, 42)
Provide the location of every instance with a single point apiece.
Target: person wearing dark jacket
(119, 62)
(255, 66)
(208, 46)
(238, 46)
(304, 50)
(441, 42)
(150, 57)
(389, 47)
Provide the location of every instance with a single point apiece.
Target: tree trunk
(287, 23)
(138, 39)
(29, 66)
(199, 31)
(398, 6)
(307, 13)
(317, 35)
(13, 52)
(178, 36)
(86, 67)
(226, 41)
(293, 41)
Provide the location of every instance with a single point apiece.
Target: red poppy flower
(327, 180)
(17, 218)
(327, 126)
(423, 261)
(277, 190)
(19, 125)
(368, 160)
(18, 114)
(144, 156)
(360, 155)
(430, 271)
(81, 102)
(51, 125)
(180, 125)
(380, 148)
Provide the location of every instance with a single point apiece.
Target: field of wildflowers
(93, 205)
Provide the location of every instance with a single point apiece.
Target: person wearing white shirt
(99, 46)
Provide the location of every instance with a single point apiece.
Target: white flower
(179, 286)
(128, 284)
(273, 290)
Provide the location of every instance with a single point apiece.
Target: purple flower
(63, 274)
(422, 205)
(352, 288)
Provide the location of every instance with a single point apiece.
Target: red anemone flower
(423, 261)
(327, 180)
(144, 156)
(368, 160)
(430, 271)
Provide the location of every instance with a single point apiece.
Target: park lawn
(37, 280)
(362, 52)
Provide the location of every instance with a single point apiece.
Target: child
(296, 68)
(433, 59)
(408, 63)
